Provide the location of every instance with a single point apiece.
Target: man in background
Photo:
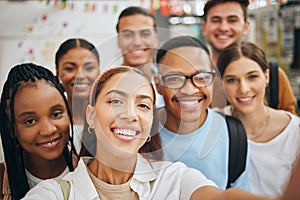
(137, 38)
(226, 22)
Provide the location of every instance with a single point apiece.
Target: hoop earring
(148, 138)
(90, 130)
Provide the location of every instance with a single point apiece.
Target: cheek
(66, 77)
(93, 75)
(230, 91)
(124, 44)
(167, 94)
(146, 121)
(65, 126)
(260, 86)
(151, 42)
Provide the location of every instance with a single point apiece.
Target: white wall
(31, 31)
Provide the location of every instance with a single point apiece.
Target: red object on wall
(164, 8)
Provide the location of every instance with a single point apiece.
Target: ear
(57, 72)
(267, 76)
(203, 27)
(90, 115)
(246, 27)
(119, 40)
(157, 81)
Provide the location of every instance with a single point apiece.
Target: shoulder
(47, 189)
(283, 119)
(282, 75)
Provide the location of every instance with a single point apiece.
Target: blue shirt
(206, 149)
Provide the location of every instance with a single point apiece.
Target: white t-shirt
(271, 162)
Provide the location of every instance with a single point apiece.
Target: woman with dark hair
(77, 66)
(35, 123)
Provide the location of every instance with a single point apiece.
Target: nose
(137, 40)
(244, 87)
(129, 113)
(47, 127)
(189, 88)
(80, 73)
(223, 25)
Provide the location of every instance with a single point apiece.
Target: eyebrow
(69, 63)
(251, 72)
(141, 96)
(26, 113)
(23, 114)
(138, 30)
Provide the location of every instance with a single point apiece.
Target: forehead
(78, 54)
(134, 22)
(186, 60)
(225, 10)
(130, 82)
(241, 66)
(42, 90)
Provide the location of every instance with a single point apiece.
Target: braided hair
(26, 73)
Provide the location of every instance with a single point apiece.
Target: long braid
(13, 152)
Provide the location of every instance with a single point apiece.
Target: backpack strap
(272, 91)
(237, 149)
(65, 187)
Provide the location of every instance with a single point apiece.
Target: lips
(223, 37)
(245, 100)
(51, 144)
(125, 134)
(189, 103)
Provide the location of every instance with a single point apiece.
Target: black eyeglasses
(177, 81)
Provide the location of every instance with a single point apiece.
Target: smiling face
(42, 123)
(245, 84)
(189, 103)
(77, 69)
(137, 39)
(225, 24)
(123, 114)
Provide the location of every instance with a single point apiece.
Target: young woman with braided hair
(35, 124)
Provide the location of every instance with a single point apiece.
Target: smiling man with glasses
(199, 79)
(190, 131)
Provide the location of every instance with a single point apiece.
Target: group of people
(107, 138)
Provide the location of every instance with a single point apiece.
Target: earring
(90, 130)
(148, 138)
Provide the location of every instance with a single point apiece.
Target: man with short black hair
(226, 22)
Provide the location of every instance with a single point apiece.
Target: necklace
(265, 125)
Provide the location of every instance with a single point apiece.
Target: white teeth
(126, 132)
(245, 99)
(188, 102)
(223, 37)
(80, 85)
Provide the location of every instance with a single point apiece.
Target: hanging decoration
(84, 6)
(164, 8)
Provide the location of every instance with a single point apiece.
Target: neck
(214, 56)
(113, 171)
(255, 123)
(78, 107)
(145, 68)
(44, 169)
